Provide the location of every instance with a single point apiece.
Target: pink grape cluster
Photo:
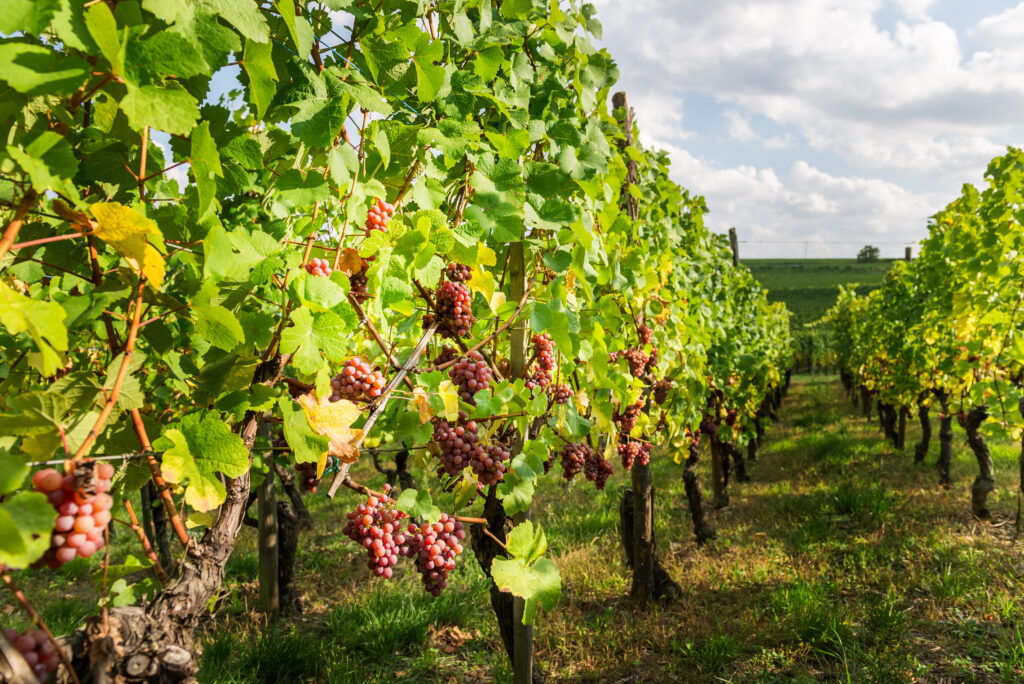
(375, 526)
(318, 267)
(661, 390)
(632, 451)
(488, 463)
(574, 457)
(470, 374)
(543, 351)
(357, 380)
(358, 280)
(379, 215)
(458, 443)
(627, 419)
(561, 394)
(628, 453)
(307, 473)
(435, 548)
(446, 354)
(454, 310)
(646, 334)
(597, 469)
(458, 273)
(652, 360)
(708, 426)
(36, 649)
(83, 512)
(637, 361)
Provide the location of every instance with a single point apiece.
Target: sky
(818, 126)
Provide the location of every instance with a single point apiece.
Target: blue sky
(823, 125)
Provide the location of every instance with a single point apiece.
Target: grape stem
(38, 620)
(147, 547)
(11, 231)
(115, 391)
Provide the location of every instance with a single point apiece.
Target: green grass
(840, 561)
(809, 286)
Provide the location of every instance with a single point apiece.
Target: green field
(809, 286)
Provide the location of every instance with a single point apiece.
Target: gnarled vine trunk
(156, 643)
(921, 448)
(945, 440)
(901, 430)
(865, 398)
(739, 464)
(985, 482)
(702, 530)
(719, 474)
(663, 586)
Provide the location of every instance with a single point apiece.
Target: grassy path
(840, 561)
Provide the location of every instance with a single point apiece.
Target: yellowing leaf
(332, 420)
(129, 232)
(321, 465)
(450, 396)
(350, 262)
(422, 403)
(582, 401)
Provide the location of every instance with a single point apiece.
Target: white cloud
(896, 118)
(739, 126)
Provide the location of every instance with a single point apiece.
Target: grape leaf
(196, 451)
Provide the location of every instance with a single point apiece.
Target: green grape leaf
(36, 69)
(219, 327)
(418, 504)
(196, 451)
(168, 108)
(532, 578)
(26, 520)
(42, 320)
(206, 169)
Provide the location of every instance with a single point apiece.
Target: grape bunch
(708, 426)
(661, 390)
(574, 458)
(454, 310)
(637, 361)
(613, 356)
(458, 273)
(543, 352)
(446, 354)
(434, 548)
(358, 280)
(561, 394)
(652, 360)
(489, 463)
(730, 417)
(379, 215)
(646, 334)
(318, 267)
(470, 374)
(597, 469)
(357, 380)
(83, 510)
(628, 453)
(459, 444)
(627, 419)
(374, 525)
(36, 649)
(307, 471)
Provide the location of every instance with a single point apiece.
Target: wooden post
(908, 254)
(522, 635)
(266, 508)
(735, 243)
(642, 588)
